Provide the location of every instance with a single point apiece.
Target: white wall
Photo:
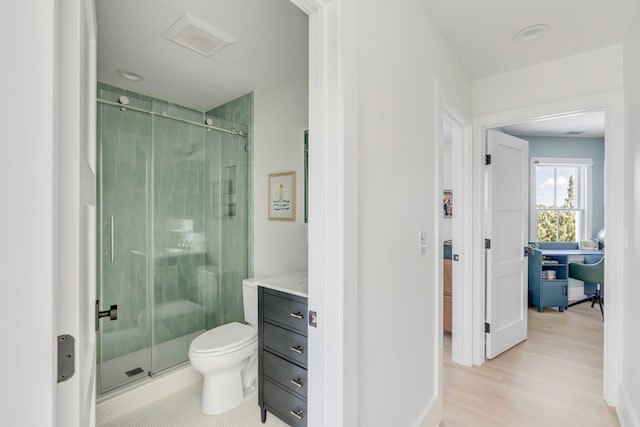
(630, 387)
(590, 72)
(26, 258)
(399, 56)
(280, 119)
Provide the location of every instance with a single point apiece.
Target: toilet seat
(223, 339)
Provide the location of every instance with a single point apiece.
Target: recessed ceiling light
(531, 33)
(129, 75)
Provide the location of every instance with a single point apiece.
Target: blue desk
(571, 252)
(549, 275)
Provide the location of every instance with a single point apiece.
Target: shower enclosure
(173, 231)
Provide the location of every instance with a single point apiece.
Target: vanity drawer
(286, 312)
(288, 375)
(286, 343)
(288, 407)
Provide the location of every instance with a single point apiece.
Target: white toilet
(227, 358)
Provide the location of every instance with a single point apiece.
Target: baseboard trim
(118, 403)
(433, 413)
(626, 414)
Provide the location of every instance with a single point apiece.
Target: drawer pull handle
(297, 414)
(297, 383)
(297, 349)
(297, 315)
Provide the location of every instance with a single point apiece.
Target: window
(561, 196)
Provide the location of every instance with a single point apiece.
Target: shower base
(123, 370)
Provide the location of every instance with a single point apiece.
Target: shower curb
(120, 402)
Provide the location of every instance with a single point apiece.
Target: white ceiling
(481, 31)
(271, 46)
(592, 123)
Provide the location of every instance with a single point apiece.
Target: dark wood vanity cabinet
(282, 356)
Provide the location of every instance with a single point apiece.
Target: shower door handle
(112, 314)
(111, 252)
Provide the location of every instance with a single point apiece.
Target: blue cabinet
(548, 280)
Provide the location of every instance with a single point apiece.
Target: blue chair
(589, 273)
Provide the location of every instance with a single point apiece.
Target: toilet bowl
(227, 358)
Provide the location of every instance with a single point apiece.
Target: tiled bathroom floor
(182, 409)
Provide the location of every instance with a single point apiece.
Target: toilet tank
(250, 301)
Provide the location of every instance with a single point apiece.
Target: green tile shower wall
(241, 110)
(154, 169)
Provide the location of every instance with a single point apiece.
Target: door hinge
(313, 319)
(66, 357)
(528, 251)
(487, 328)
(487, 243)
(487, 159)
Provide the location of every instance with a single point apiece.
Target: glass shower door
(178, 235)
(124, 345)
(173, 222)
(228, 218)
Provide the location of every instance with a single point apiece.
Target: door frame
(461, 337)
(332, 247)
(74, 215)
(613, 104)
(332, 259)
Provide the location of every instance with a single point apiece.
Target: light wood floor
(554, 378)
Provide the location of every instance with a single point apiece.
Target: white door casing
(461, 231)
(507, 265)
(332, 212)
(76, 207)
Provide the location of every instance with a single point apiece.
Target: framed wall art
(447, 203)
(282, 196)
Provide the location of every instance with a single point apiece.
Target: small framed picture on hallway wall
(447, 203)
(282, 196)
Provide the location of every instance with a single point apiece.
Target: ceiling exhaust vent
(575, 132)
(197, 35)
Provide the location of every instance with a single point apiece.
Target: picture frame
(588, 245)
(447, 203)
(282, 196)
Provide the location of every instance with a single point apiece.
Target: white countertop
(295, 283)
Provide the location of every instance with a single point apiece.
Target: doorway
(180, 159)
(560, 183)
(325, 293)
(611, 103)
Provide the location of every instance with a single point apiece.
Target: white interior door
(507, 265)
(76, 208)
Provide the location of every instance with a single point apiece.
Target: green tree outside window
(556, 223)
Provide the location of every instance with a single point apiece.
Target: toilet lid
(223, 338)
